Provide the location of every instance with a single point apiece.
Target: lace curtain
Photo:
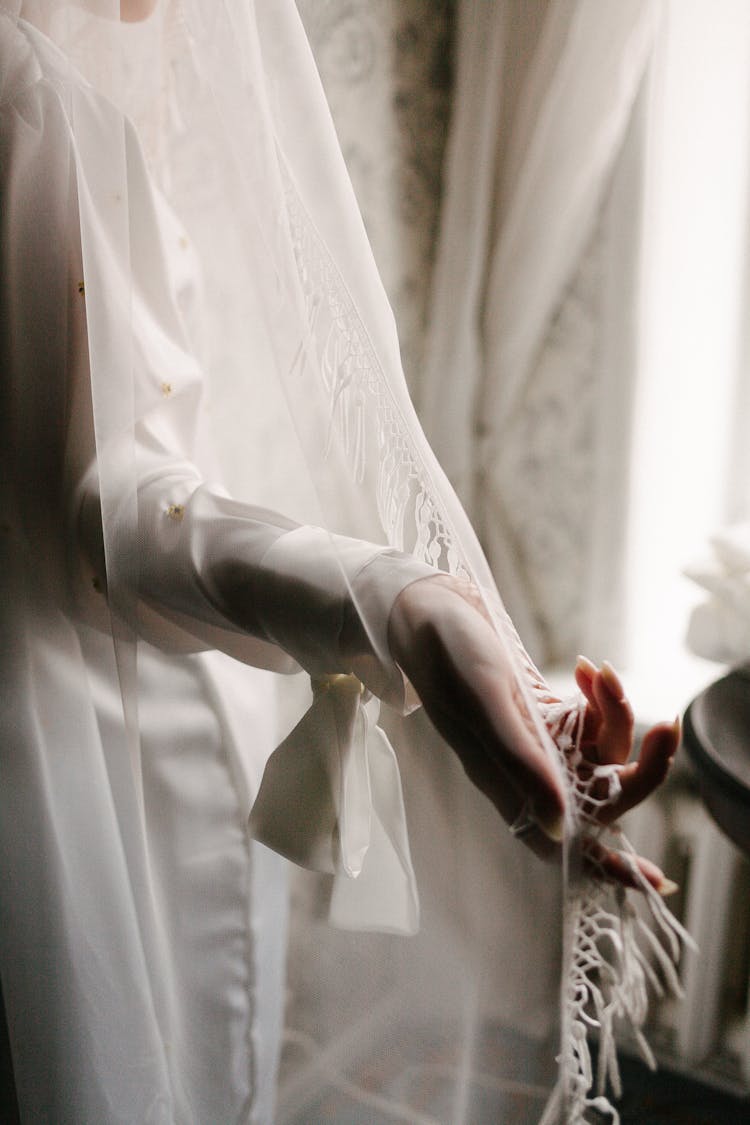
(387, 69)
(448, 229)
(584, 310)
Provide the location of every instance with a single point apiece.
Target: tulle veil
(307, 412)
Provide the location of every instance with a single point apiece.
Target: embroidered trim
(362, 411)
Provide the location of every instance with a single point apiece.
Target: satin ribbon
(331, 800)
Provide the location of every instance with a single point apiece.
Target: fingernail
(677, 727)
(667, 887)
(612, 680)
(654, 874)
(586, 665)
(553, 828)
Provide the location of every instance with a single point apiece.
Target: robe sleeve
(217, 573)
(212, 572)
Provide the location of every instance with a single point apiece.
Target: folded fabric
(331, 800)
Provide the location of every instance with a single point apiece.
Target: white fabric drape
(545, 95)
(584, 382)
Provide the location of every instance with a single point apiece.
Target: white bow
(331, 800)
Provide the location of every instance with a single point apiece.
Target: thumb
(517, 747)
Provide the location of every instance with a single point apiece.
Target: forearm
(230, 573)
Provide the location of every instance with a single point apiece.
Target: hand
(607, 739)
(440, 635)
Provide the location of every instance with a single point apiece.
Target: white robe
(141, 954)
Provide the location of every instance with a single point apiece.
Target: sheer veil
(218, 107)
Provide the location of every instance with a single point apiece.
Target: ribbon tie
(331, 800)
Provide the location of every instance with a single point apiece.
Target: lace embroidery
(612, 954)
(362, 409)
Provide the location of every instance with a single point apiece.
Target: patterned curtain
(387, 71)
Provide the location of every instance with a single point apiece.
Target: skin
(133, 11)
(441, 637)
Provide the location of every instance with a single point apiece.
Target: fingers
(537, 777)
(608, 724)
(480, 770)
(627, 870)
(468, 686)
(615, 733)
(608, 738)
(506, 752)
(466, 680)
(639, 779)
(585, 673)
(508, 801)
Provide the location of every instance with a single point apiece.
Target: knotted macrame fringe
(615, 955)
